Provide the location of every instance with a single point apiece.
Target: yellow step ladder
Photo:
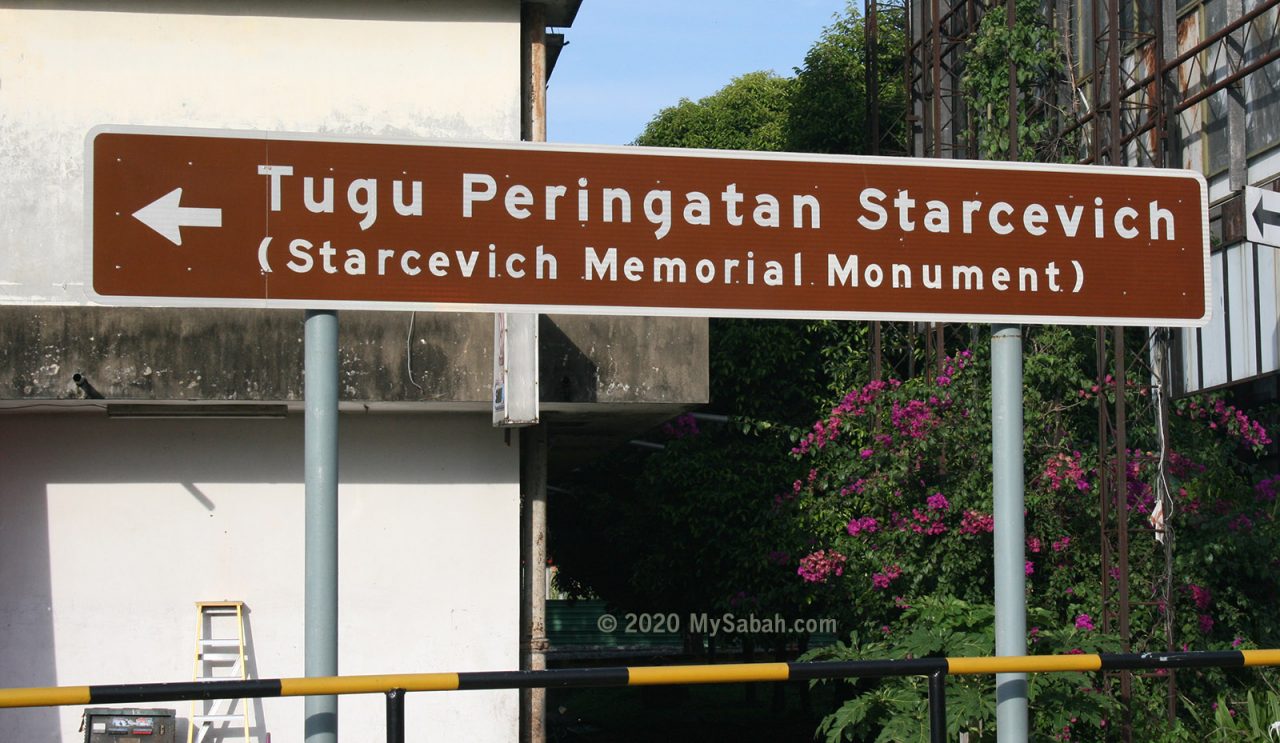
(220, 656)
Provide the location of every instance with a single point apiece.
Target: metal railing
(395, 686)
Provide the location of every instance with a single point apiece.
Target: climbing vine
(1041, 61)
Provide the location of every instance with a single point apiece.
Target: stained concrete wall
(153, 355)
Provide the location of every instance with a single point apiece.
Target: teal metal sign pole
(321, 506)
(1009, 481)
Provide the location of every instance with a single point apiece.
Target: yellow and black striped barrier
(395, 685)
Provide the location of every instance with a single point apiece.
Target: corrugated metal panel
(1242, 340)
(1268, 312)
(1241, 320)
(1213, 337)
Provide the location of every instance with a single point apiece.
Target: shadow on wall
(47, 454)
(565, 373)
(26, 598)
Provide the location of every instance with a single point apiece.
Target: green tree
(750, 113)
(828, 101)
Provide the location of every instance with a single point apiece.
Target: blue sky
(627, 60)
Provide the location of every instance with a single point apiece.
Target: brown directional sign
(201, 218)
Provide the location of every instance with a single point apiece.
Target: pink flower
(880, 581)
(1084, 622)
(973, 522)
(914, 420)
(1030, 567)
(1061, 544)
(866, 453)
(1033, 544)
(1065, 468)
(1266, 489)
(937, 502)
(1206, 623)
(821, 565)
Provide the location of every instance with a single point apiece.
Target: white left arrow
(166, 216)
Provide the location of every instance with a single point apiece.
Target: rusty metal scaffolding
(1133, 74)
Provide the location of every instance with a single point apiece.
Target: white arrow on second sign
(1262, 216)
(166, 216)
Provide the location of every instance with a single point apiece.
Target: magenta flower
(1266, 489)
(821, 565)
(973, 522)
(881, 581)
(937, 502)
(1084, 622)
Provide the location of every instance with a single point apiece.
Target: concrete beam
(154, 355)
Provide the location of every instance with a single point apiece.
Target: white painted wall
(111, 530)
(442, 70)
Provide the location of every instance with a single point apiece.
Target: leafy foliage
(822, 109)
(750, 113)
(1259, 723)
(1036, 52)
(828, 102)
(944, 626)
(897, 494)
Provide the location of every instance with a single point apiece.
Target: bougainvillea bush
(894, 495)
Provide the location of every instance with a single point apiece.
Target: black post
(395, 716)
(938, 707)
